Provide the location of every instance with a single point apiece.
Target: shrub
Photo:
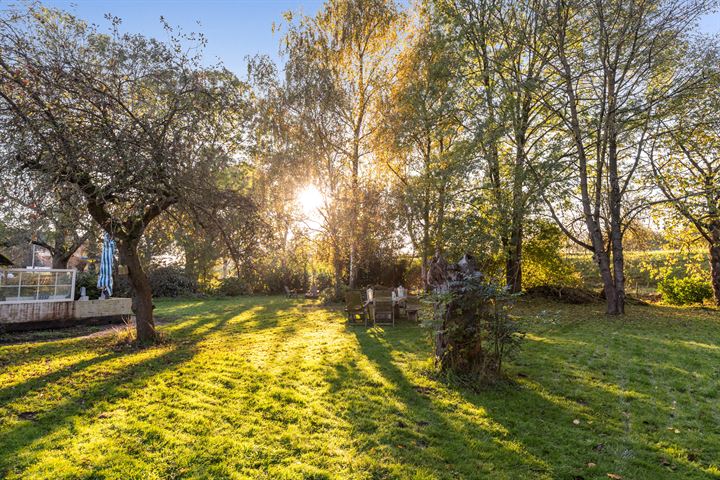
(543, 262)
(328, 297)
(121, 285)
(171, 282)
(685, 290)
(89, 281)
(559, 293)
(324, 280)
(233, 287)
(273, 280)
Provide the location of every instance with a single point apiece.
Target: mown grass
(278, 389)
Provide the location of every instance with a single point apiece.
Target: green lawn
(271, 388)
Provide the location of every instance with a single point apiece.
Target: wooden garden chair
(400, 297)
(355, 308)
(312, 293)
(383, 307)
(412, 307)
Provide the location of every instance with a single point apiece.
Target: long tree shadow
(74, 340)
(130, 376)
(437, 431)
(112, 375)
(95, 347)
(18, 354)
(114, 386)
(104, 354)
(627, 415)
(519, 416)
(18, 390)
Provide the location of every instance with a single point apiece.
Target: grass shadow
(439, 431)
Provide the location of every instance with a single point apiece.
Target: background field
(643, 269)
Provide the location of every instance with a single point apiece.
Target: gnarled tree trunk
(142, 304)
(60, 260)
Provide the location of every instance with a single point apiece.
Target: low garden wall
(38, 315)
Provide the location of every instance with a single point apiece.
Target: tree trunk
(352, 268)
(423, 274)
(715, 267)
(142, 294)
(513, 264)
(618, 274)
(602, 259)
(611, 298)
(425, 250)
(59, 256)
(60, 260)
(337, 267)
(191, 265)
(355, 160)
(615, 300)
(63, 252)
(513, 267)
(616, 240)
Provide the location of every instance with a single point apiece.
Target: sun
(310, 200)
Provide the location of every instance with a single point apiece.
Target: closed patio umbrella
(105, 280)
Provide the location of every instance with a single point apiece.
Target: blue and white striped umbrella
(105, 279)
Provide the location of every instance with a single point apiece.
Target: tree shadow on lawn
(655, 415)
(169, 317)
(18, 354)
(527, 425)
(118, 385)
(629, 374)
(249, 314)
(131, 375)
(122, 369)
(434, 429)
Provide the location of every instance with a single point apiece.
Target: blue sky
(234, 28)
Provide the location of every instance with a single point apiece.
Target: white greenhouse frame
(37, 285)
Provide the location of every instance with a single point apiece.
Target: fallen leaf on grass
(614, 476)
(591, 465)
(423, 390)
(576, 421)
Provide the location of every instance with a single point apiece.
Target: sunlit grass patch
(265, 388)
